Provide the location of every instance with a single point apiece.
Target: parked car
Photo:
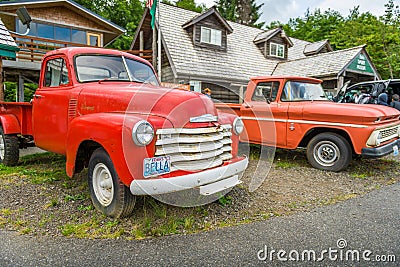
(293, 112)
(367, 92)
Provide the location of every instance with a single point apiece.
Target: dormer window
(211, 36)
(277, 50)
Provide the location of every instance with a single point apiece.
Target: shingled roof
(8, 47)
(321, 65)
(241, 61)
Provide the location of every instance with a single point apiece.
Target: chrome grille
(389, 133)
(192, 149)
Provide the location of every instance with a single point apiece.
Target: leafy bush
(10, 91)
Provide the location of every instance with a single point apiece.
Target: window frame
(64, 70)
(214, 38)
(277, 50)
(272, 91)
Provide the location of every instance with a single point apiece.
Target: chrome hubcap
(2, 147)
(103, 184)
(326, 153)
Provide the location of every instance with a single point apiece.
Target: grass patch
(62, 205)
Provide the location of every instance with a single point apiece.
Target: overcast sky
(283, 10)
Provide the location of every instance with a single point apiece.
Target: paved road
(369, 225)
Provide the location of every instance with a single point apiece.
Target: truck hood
(177, 106)
(348, 113)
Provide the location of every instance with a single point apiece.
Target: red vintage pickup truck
(104, 109)
(293, 112)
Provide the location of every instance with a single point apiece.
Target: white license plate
(156, 166)
(395, 150)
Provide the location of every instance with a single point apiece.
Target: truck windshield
(92, 68)
(302, 91)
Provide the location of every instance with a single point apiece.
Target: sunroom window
(277, 50)
(211, 36)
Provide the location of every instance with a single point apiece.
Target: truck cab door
(264, 117)
(50, 105)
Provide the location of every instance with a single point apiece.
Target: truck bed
(17, 119)
(229, 108)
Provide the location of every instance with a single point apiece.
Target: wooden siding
(167, 75)
(61, 16)
(224, 93)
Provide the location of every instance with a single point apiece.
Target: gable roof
(242, 58)
(8, 47)
(315, 48)
(266, 35)
(241, 61)
(321, 65)
(47, 3)
(209, 12)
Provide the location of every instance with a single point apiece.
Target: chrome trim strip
(204, 118)
(307, 122)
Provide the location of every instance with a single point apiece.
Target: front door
(50, 106)
(264, 117)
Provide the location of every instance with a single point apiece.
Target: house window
(60, 33)
(211, 36)
(93, 39)
(277, 50)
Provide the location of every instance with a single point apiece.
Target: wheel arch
(10, 124)
(315, 131)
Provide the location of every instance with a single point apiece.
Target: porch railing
(32, 49)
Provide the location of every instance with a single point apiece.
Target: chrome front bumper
(208, 181)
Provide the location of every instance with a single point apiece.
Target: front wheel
(109, 195)
(329, 151)
(9, 148)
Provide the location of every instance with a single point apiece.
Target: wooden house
(55, 24)
(206, 51)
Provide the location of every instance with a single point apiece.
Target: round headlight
(142, 133)
(238, 126)
(379, 139)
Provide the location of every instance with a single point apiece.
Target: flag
(152, 5)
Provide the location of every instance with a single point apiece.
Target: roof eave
(202, 16)
(72, 3)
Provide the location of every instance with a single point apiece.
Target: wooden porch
(32, 49)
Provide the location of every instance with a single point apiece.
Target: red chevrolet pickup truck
(293, 112)
(104, 109)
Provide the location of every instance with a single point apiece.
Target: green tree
(314, 26)
(190, 5)
(125, 13)
(390, 40)
(381, 35)
(245, 12)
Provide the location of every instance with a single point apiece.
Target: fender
(10, 124)
(113, 131)
(357, 143)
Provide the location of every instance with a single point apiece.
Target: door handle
(248, 106)
(37, 96)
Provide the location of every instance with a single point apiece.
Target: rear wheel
(109, 195)
(329, 151)
(9, 149)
